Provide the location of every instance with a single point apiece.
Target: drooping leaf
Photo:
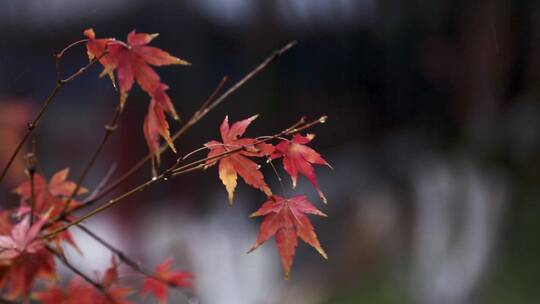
(286, 220)
(167, 277)
(155, 123)
(298, 158)
(238, 163)
(111, 274)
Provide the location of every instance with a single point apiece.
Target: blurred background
(433, 133)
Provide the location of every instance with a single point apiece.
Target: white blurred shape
(215, 249)
(458, 208)
(225, 273)
(96, 258)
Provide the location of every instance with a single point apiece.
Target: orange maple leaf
(50, 197)
(286, 220)
(114, 292)
(298, 158)
(155, 123)
(160, 288)
(238, 163)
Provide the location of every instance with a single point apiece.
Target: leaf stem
(31, 161)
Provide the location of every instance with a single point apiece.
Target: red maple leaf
(285, 220)
(23, 239)
(114, 292)
(111, 274)
(114, 295)
(131, 60)
(298, 158)
(78, 292)
(238, 163)
(50, 195)
(24, 258)
(155, 123)
(167, 277)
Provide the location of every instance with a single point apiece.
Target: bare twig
(31, 161)
(109, 129)
(103, 182)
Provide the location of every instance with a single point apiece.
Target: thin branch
(208, 105)
(280, 180)
(31, 161)
(30, 129)
(173, 172)
(211, 98)
(32, 197)
(103, 182)
(109, 130)
(67, 48)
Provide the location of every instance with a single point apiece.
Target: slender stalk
(173, 172)
(207, 107)
(32, 198)
(31, 161)
(109, 130)
(283, 191)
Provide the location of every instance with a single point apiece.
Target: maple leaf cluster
(131, 61)
(34, 234)
(25, 257)
(284, 218)
(111, 290)
(23, 254)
